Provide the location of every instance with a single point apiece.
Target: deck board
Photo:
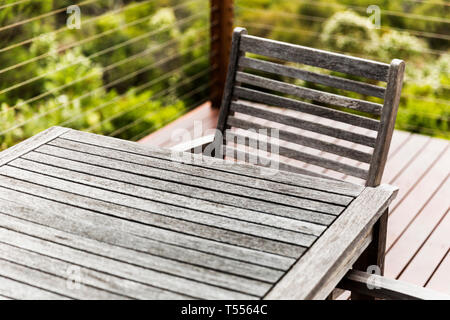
(419, 224)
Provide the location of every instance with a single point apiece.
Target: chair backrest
(347, 135)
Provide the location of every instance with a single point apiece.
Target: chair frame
(374, 255)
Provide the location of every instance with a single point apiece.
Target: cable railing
(129, 69)
(425, 103)
(133, 66)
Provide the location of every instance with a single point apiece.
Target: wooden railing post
(221, 32)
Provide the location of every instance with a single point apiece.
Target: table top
(84, 216)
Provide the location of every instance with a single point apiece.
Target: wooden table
(92, 217)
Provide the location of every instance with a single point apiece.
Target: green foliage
(134, 65)
(344, 26)
(346, 31)
(104, 77)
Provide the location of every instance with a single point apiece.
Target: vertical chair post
(216, 146)
(375, 253)
(221, 29)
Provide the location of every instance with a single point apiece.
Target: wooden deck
(418, 241)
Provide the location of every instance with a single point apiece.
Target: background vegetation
(415, 31)
(136, 65)
(132, 67)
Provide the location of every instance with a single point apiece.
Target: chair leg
(374, 254)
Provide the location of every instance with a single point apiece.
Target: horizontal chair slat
(303, 140)
(305, 107)
(298, 155)
(303, 124)
(306, 93)
(318, 58)
(269, 163)
(324, 79)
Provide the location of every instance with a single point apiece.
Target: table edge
(314, 278)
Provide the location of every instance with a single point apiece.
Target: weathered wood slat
(318, 58)
(125, 270)
(324, 112)
(21, 291)
(250, 216)
(310, 94)
(130, 289)
(339, 187)
(229, 82)
(303, 124)
(30, 144)
(386, 288)
(154, 167)
(80, 195)
(128, 241)
(299, 155)
(46, 281)
(393, 92)
(85, 276)
(260, 160)
(145, 199)
(320, 269)
(303, 140)
(121, 173)
(327, 80)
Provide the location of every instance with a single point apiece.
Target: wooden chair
(259, 94)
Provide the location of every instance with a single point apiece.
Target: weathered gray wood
(158, 168)
(147, 151)
(20, 291)
(386, 288)
(328, 113)
(55, 284)
(376, 252)
(388, 116)
(30, 144)
(83, 242)
(303, 124)
(301, 156)
(310, 94)
(141, 198)
(314, 57)
(327, 80)
(267, 162)
(85, 230)
(235, 53)
(84, 275)
(303, 140)
(125, 270)
(102, 200)
(314, 276)
(230, 194)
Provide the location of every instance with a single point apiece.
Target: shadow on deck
(418, 239)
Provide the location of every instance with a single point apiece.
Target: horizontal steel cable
(386, 12)
(84, 22)
(141, 86)
(100, 53)
(158, 95)
(45, 15)
(137, 89)
(154, 127)
(322, 19)
(85, 40)
(13, 4)
(52, 110)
